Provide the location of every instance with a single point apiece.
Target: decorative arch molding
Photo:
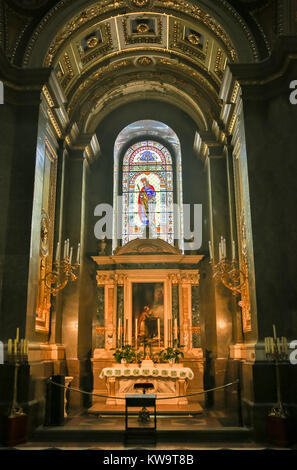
(219, 15)
(123, 92)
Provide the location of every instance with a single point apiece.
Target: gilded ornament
(140, 3)
(44, 234)
(142, 28)
(92, 42)
(194, 39)
(144, 61)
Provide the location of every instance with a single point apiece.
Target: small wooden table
(138, 400)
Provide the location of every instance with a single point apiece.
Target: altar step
(192, 409)
(82, 434)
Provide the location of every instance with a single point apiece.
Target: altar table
(168, 380)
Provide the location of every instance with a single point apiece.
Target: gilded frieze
(97, 11)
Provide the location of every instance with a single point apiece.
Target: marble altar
(168, 380)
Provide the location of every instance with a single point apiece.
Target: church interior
(147, 228)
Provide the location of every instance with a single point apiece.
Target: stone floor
(212, 429)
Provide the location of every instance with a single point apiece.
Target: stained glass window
(147, 188)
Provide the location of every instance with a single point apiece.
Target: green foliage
(127, 352)
(171, 353)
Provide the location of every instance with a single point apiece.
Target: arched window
(147, 185)
(147, 189)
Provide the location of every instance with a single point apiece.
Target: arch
(148, 134)
(237, 27)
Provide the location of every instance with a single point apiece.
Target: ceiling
(109, 52)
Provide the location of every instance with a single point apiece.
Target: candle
(65, 247)
(71, 252)
(225, 248)
(17, 335)
(175, 328)
(168, 332)
(78, 254)
(58, 251)
(220, 251)
(271, 345)
(233, 250)
(266, 346)
(274, 331)
(210, 250)
(9, 346)
(159, 332)
(15, 347)
(136, 324)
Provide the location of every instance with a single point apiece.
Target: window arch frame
(175, 152)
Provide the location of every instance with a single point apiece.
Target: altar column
(185, 317)
(109, 282)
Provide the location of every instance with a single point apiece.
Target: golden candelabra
(17, 354)
(63, 271)
(227, 271)
(276, 349)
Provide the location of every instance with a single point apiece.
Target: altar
(148, 293)
(167, 380)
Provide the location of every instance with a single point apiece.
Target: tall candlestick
(159, 331)
(58, 251)
(233, 250)
(175, 328)
(136, 333)
(210, 250)
(78, 254)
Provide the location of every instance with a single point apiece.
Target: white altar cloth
(168, 380)
(164, 371)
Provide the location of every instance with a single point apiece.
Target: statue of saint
(146, 202)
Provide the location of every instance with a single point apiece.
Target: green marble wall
(120, 306)
(196, 334)
(175, 309)
(100, 336)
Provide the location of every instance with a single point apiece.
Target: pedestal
(15, 429)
